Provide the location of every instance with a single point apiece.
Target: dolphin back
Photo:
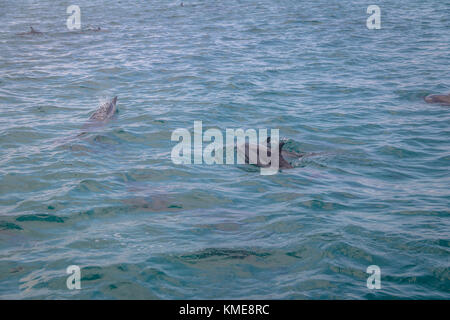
(438, 98)
(258, 149)
(106, 111)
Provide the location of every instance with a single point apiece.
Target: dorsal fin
(280, 145)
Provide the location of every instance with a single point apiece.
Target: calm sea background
(112, 202)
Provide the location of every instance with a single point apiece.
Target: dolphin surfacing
(282, 162)
(438, 98)
(101, 116)
(105, 112)
(32, 31)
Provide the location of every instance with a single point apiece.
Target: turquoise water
(373, 188)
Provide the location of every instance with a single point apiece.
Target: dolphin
(32, 31)
(105, 112)
(282, 162)
(94, 29)
(438, 98)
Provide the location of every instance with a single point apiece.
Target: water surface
(139, 226)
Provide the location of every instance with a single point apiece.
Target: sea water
(371, 189)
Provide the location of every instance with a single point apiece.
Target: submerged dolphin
(282, 162)
(94, 29)
(438, 98)
(105, 112)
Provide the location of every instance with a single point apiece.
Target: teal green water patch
(91, 277)
(41, 218)
(4, 225)
(217, 253)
